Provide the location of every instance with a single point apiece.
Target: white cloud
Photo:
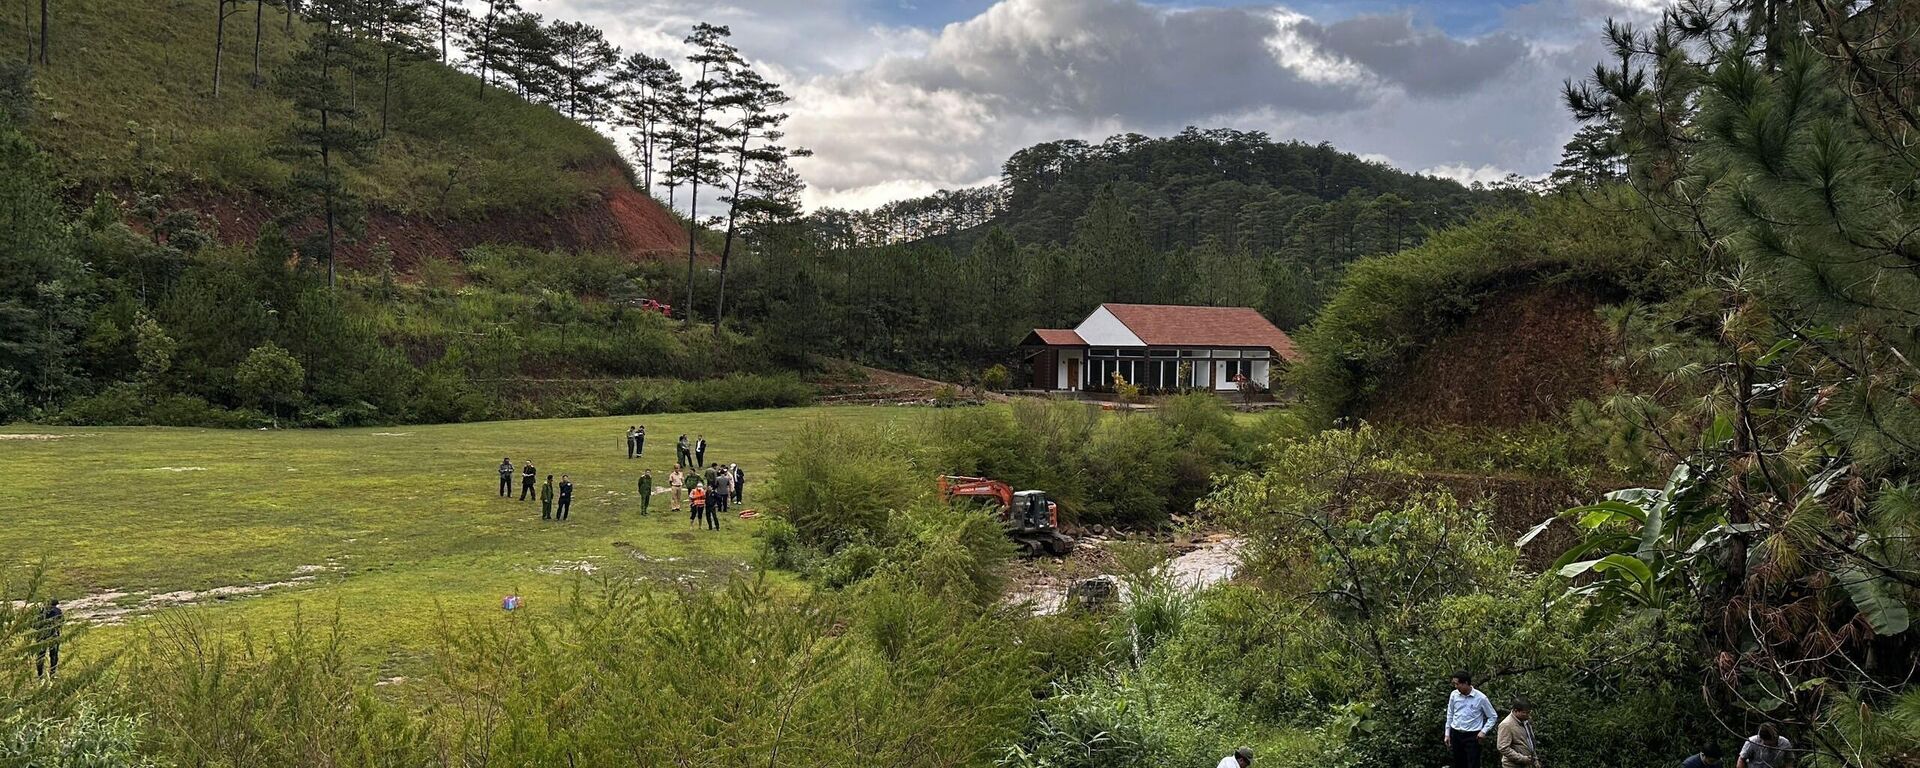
(896, 112)
(1485, 174)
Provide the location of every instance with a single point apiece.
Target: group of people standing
(710, 492)
(1471, 718)
(547, 494)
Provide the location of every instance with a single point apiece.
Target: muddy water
(1214, 561)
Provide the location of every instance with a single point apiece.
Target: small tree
(995, 378)
(154, 348)
(271, 378)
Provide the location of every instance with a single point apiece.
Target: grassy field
(390, 529)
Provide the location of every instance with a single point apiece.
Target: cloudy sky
(900, 98)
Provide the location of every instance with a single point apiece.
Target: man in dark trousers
(640, 440)
(681, 454)
(700, 451)
(713, 508)
(630, 442)
(546, 499)
(723, 489)
(526, 480)
(47, 631)
(1470, 717)
(506, 478)
(646, 490)
(566, 498)
(739, 484)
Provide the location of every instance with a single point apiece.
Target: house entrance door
(1073, 373)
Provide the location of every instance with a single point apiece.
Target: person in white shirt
(1470, 717)
(1241, 758)
(1767, 750)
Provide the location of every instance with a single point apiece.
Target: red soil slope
(618, 220)
(1524, 357)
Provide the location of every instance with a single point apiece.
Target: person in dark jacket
(630, 442)
(713, 508)
(527, 475)
(546, 499)
(506, 478)
(47, 632)
(700, 451)
(566, 498)
(682, 455)
(640, 440)
(739, 484)
(646, 490)
(723, 489)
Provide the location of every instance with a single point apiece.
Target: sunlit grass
(397, 526)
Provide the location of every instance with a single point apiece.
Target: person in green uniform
(646, 490)
(546, 499)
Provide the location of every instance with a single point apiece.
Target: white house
(1149, 344)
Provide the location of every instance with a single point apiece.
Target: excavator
(1032, 520)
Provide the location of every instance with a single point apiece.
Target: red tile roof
(1163, 325)
(1059, 337)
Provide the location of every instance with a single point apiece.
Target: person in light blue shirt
(1470, 717)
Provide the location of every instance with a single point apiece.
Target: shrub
(190, 411)
(89, 738)
(836, 484)
(1129, 471)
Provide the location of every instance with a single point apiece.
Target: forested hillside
(947, 284)
(367, 211)
(130, 100)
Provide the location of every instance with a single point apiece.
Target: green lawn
(396, 526)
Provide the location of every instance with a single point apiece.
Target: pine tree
(481, 39)
(650, 93)
(1772, 153)
(696, 135)
(329, 134)
(222, 9)
(399, 28)
(584, 60)
(752, 139)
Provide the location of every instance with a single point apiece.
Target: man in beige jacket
(1515, 738)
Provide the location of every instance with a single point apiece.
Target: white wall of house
(1102, 329)
(1060, 368)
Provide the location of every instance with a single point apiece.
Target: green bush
(837, 484)
(88, 738)
(1129, 471)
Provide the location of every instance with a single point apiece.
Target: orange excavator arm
(952, 486)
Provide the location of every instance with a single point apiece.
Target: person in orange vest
(697, 502)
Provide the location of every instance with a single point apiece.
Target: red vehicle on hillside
(654, 305)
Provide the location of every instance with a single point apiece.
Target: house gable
(1103, 329)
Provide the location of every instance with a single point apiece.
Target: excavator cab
(1032, 511)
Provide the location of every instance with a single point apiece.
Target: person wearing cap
(1241, 758)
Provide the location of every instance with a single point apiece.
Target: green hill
(126, 104)
(127, 99)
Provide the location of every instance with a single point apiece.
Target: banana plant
(1640, 547)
